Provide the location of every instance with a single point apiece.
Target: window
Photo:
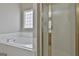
(28, 19)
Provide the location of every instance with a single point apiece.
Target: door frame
(39, 30)
(77, 29)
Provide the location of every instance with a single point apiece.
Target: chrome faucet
(8, 40)
(13, 40)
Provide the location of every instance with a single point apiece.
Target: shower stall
(58, 29)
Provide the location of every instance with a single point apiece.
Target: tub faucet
(14, 40)
(8, 40)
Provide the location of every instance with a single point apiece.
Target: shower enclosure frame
(77, 29)
(40, 33)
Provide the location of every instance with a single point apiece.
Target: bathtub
(19, 39)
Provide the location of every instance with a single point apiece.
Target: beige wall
(9, 17)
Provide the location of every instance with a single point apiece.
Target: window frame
(24, 19)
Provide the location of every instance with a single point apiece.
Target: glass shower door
(63, 32)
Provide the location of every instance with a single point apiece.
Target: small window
(28, 19)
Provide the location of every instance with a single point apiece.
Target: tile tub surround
(22, 40)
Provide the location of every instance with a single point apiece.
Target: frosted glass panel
(63, 18)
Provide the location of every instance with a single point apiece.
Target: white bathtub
(20, 39)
